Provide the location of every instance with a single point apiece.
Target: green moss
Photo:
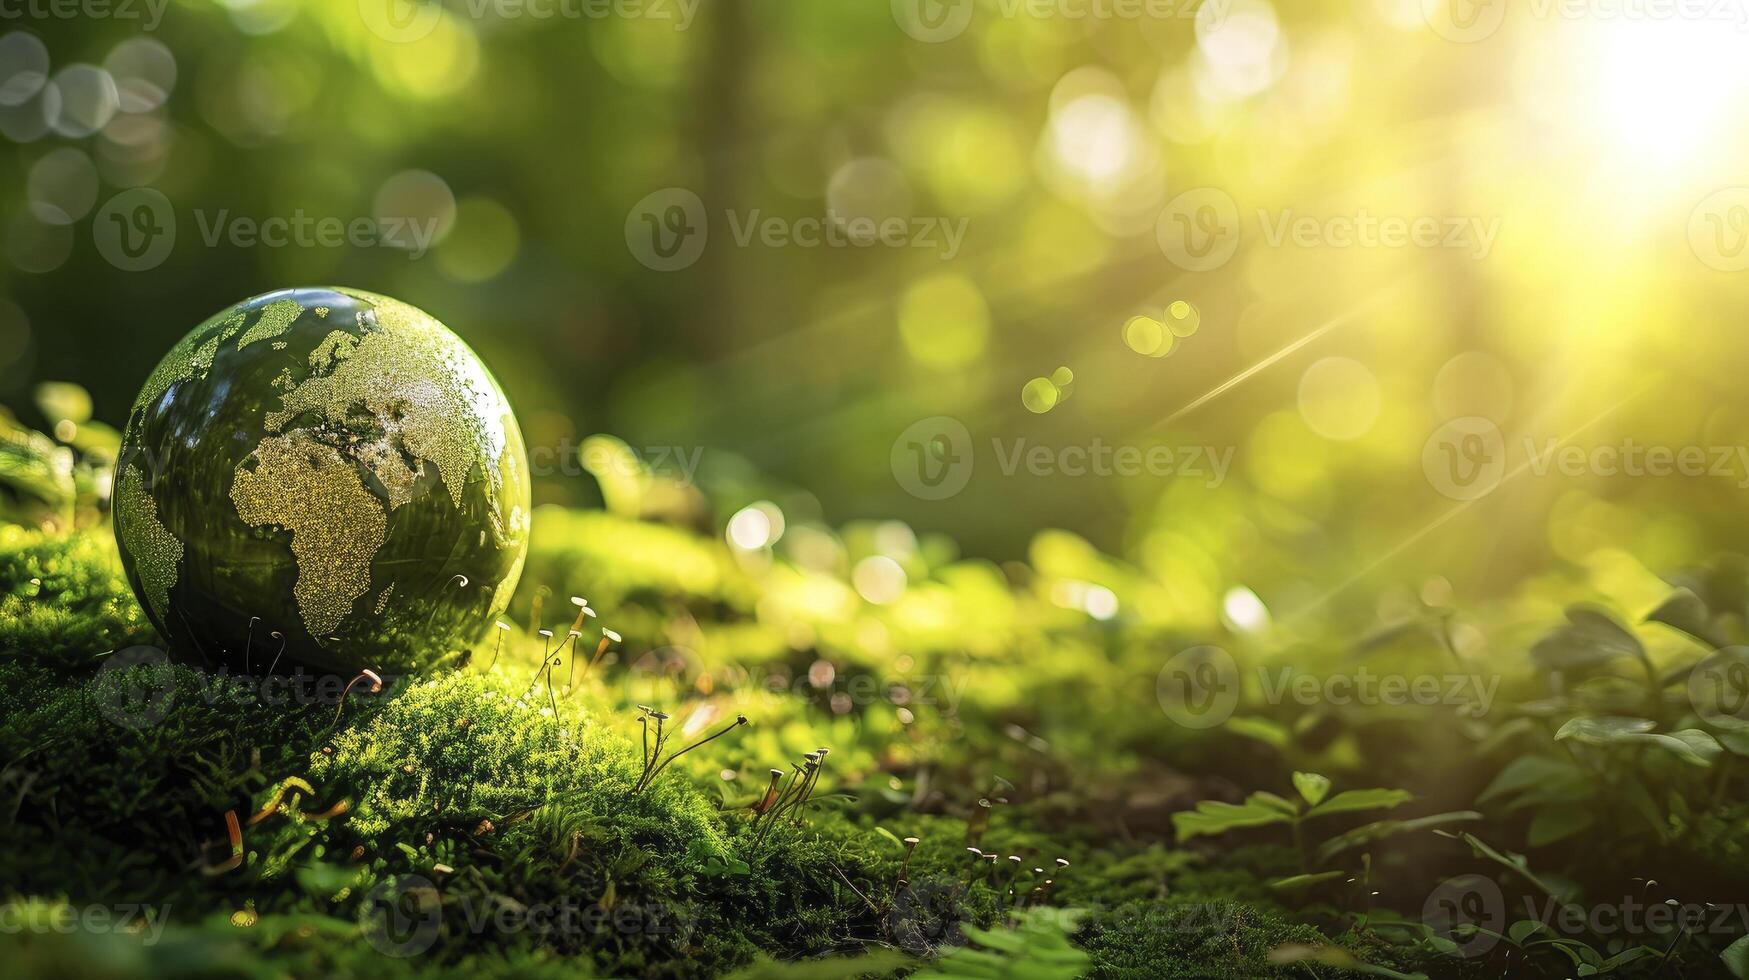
(1214, 940)
(510, 813)
(64, 598)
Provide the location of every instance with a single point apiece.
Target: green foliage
(1218, 940)
(1037, 947)
(509, 799)
(1261, 809)
(63, 598)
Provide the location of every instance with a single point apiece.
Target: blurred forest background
(1585, 284)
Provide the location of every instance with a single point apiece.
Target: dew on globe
(324, 479)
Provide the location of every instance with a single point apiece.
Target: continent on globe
(322, 478)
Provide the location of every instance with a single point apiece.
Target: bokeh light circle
(87, 100)
(144, 71)
(62, 186)
(1339, 398)
(24, 68)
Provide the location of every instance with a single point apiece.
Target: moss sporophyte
(654, 762)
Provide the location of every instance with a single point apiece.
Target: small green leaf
(1530, 773)
(1590, 638)
(1211, 817)
(1559, 891)
(1523, 929)
(1313, 787)
(1691, 745)
(1261, 729)
(1606, 730)
(1380, 829)
(1736, 958)
(1274, 802)
(1685, 611)
(1349, 801)
(1735, 742)
(1556, 823)
(1295, 882)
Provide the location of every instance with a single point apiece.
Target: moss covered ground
(1006, 791)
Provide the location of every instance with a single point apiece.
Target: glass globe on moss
(323, 479)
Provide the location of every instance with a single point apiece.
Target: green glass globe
(322, 479)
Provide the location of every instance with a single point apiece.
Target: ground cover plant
(710, 767)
